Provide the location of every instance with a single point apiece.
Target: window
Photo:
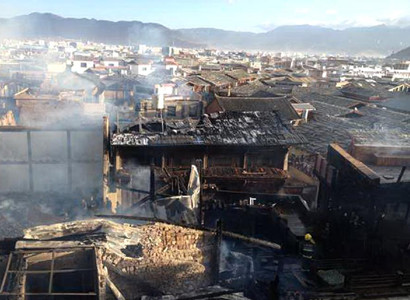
(144, 68)
(171, 111)
(83, 65)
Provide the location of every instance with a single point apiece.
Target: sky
(239, 15)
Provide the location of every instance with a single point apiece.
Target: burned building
(242, 152)
(365, 195)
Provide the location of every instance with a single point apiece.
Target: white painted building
(112, 62)
(141, 68)
(161, 92)
(166, 89)
(82, 64)
(400, 71)
(367, 71)
(172, 67)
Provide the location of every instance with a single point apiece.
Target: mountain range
(376, 40)
(401, 55)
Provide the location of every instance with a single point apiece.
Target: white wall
(81, 66)
(171, 68)
(111, 63)
(164, 89)
(142, 70)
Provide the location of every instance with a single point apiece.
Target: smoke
(58, 164)
(382, 136)
(18, 212)
(235, 263)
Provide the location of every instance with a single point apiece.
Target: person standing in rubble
(308, 251)
(84, 204)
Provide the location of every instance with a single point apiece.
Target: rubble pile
(169, 258)
(174, 259)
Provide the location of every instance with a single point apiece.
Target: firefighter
(308, 251)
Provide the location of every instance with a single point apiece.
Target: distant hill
(401, 55)
(377, 40)
(38, 25)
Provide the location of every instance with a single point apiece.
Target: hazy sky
(243, 15)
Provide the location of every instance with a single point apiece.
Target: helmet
(308, 237)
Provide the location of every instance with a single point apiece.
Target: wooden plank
(50, 285)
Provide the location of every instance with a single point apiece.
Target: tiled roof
(328, 124)
(217, 78)
(281, 105)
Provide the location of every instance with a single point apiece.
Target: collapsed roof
(256, 128)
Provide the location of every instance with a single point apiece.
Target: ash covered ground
(18, 212)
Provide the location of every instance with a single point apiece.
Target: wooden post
(245, 161)
(286, 160)
(106, 160)
(163, 161)
(201, 204)
(205, 161)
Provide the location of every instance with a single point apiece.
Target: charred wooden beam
(403, 169)
(159, 191)
(117, 293)
(5, 274)
(121, 187)
(251, 240)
